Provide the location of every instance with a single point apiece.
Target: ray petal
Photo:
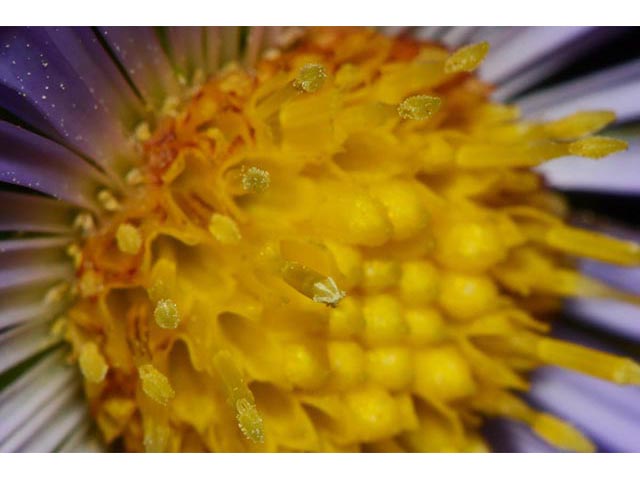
(602, 419)
(29, 160)
(609, 89)
(40, 84)
(30, 213)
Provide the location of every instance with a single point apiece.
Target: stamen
(128, 238)
(74, 252)
(108, 201)
(134, 177)
(92, 364)
(310, 78)
(163, 279)
(166, 314)
(579, 124)
(255, 180)
(466, 59)
(224, 229)
(90, 283)
(240, 397)
(312, 284)
(142, 132)
(597, 147)
(419, 107)
(155, 384)
(56, 294)
(85, 224)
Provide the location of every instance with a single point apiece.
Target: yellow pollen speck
(310, 78)
(128, 238)
(92, 364)
(75, 253)
(108, 201)
(224, 229)
(419, 107)
(166, 314)
(467, 59)
(255, 180)
(597, 147)
(155, 384)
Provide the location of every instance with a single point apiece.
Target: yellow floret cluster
(343, 249)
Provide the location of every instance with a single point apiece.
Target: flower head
(338, 245)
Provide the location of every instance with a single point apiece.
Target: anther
(90, 283)
(419, 107)
(108, 201)
(92, 364)
(466, 59)
(73, 251)
(310, 78)
(84, 224)
(134, 177)
(155, 385)
(128, 238)
(142, 132)
(56, 294)
(597, 147)
(224, 229)
(166, 314)
(255, 180)
(311, 284)
(240, 397)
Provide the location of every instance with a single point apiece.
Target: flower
(284, 239)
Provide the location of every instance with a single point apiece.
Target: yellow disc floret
(341, 248)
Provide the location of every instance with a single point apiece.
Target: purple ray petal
(508, 436)
(600, 417)
(619, 173)
(139, 51)
(23, 342)
(223, 44)
(35, 274)
(30, 213)
(40, 84)
(528, 46)
(52, 432)
(619, 318)
(429, 33)
(457, 36)
(29, 160)
(54, 407)
(84, 439)
(187, 52)
(624, 278)
(496, 36)
(544, 68)
(610, 89)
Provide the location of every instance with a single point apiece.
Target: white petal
(529, 45)
(457, 36)
(616, 429)
(622, 319)
(26, 402)
(611, 89)
(53, 433)
(65, 399)
(22, 342)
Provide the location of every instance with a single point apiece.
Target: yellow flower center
(341, 250)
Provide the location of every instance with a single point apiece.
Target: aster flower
(279, 239)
